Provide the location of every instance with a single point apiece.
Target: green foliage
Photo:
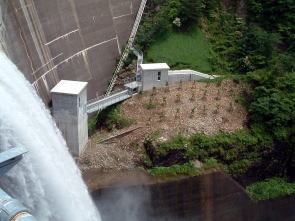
(270, 189)
(272, 106)
(150, 106)
(154, 135)
(211, 163)
(173, 14)
(129, 59)
(237, 47)
(224, 34)
(273, 97)
(181, 50)
(209, 7)
(92, 126)
(112, 118)
(238, 150)
(272, 111)
(239, 167)
(254, 49)
(261, 49)
(264, 52)
(275, 16)
(176, 143)
(184, 169)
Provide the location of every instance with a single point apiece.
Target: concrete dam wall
(51, 40)
(210, 197)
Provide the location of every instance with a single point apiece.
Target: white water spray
(47, 180)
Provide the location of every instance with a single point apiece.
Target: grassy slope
(181, 50)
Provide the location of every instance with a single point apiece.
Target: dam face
(58, 40)
(211, 197)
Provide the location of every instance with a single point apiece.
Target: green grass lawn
(181, 50)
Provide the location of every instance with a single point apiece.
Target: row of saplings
(178, 99)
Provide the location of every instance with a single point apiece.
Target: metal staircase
(128, 46)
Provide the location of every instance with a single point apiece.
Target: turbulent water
(47, 180)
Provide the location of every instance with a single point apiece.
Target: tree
(275, 16)
(254, 49)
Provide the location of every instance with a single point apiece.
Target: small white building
(69, 100)
(154, 75)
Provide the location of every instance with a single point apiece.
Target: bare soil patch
(185, 108)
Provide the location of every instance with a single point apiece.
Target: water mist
(47, 180)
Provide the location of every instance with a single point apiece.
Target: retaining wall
(213, 196)
(186, 75)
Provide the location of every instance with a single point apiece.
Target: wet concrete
(97, 179)
(67, 39)
(213, 196)
(102, 178)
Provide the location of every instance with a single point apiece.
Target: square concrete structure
(154, 75)
(69, 100)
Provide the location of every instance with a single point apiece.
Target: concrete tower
(69, 99)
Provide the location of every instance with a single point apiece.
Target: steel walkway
(103, 102)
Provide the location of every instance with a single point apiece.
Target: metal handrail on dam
(91, 101)
(106, 101)
(128, 46)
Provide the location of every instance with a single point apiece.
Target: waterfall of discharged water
(47, 180)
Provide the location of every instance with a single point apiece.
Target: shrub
(178, 98)
(176, 143)
(112, 118)
(164, 101)
(92, 126)
(270, 188)
(211, 163)
(150, 106)
(193, 97)
(240, 167)
(186, 169)
(193, 111)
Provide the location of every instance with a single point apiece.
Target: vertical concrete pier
(69, 100)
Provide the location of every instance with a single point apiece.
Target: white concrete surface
(155, 66)
(153, 75)
(69, 100)
(69, 87)
(186, 75)
(150, 75)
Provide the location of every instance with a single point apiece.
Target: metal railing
(129, 80)
(139, 56)
(128, 47)
(107, 101)
(104, 96)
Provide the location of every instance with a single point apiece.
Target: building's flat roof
(69, 87)
(154, 66)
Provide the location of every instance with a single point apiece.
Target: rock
(198, 164)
